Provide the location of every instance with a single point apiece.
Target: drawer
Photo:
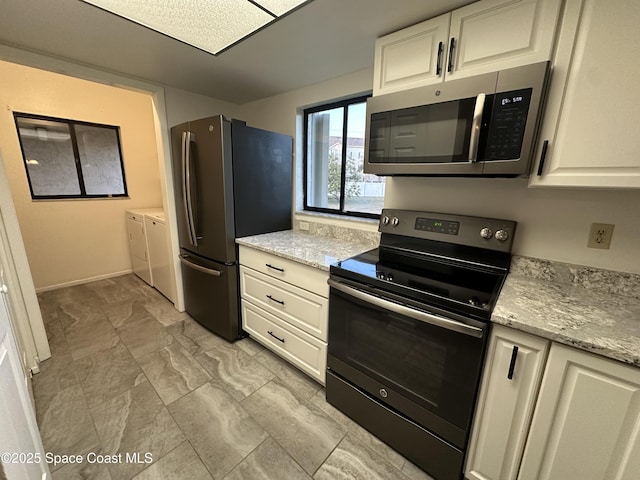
(297, 347)
(303, 276)
(301, 308)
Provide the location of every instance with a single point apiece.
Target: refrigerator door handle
(200, 268)
(186, 190)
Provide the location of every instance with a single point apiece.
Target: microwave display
(507, 120)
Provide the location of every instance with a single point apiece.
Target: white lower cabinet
(578, 420)
(513, 370)
(586, 425)
(285, 308)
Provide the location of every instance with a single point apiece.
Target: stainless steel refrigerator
(230, 181)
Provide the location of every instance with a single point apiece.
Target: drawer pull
(275, 268)
(277, 338)
(275, 300)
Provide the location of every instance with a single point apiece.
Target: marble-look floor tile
(126, 312)
(164, 312)
(303, 430)
(240, 374)
(173, 372)
(268, 462)
(82, 471)
(91, 339)
(55, 335)
(194, 337)
(108, 373)
(135, 422)
(297, 381)
(112, 290)
(144, 336)
(65, 424)
(56, 374)
(76, 295)
(75, 315)
(351, 460)
(250, 346)
(217, 426)
(182, 463)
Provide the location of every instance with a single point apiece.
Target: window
(334, 160)
(70, 159)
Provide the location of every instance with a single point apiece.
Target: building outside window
(71, 159)
(334, 161)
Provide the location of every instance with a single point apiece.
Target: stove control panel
(489, 233)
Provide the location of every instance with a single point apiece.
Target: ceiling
(322, 40)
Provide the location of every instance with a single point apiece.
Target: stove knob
(486, 233)
(395, 221)
(380, 275)
(385, 220)
(502, 235)
(390, 278)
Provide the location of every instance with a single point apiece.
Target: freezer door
(262, 176)
(211, 295)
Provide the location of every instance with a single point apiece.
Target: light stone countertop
(577, 306)
(315, 251)
(599, 322)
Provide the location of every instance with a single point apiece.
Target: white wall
(552, 224)
(184, 106)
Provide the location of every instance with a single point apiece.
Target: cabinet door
(589, 131)
(587, 420)
(412, 57)
(513, 370)
(494, 35)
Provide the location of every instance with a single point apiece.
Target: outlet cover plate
(600, 235)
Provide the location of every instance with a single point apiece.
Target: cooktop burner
(455, 263)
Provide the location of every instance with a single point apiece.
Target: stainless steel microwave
(484, 125)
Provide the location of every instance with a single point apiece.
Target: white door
(19, 435)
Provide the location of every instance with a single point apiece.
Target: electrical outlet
(600, 235)
(304, 226)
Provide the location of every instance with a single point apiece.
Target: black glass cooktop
(453, 284)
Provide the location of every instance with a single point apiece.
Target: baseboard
(81, 281)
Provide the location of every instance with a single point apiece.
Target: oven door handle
(408, 311)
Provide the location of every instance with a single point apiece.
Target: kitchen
(552, 223)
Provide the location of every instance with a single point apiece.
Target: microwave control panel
(508, 119)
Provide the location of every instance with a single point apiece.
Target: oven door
(424, 365)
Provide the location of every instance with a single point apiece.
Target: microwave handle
(475, 128)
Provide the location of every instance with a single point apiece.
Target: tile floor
(129, 374)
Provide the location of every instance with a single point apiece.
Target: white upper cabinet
(412, 57)
(483, 37)
(589, 136)
(494, 35)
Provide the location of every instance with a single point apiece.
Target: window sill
(330, 218)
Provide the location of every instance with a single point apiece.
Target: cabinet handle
(275, 300)
(452, 46)
(277, 338)
(439, 61)
(275, 268)
(543, 157)
(512, 365)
